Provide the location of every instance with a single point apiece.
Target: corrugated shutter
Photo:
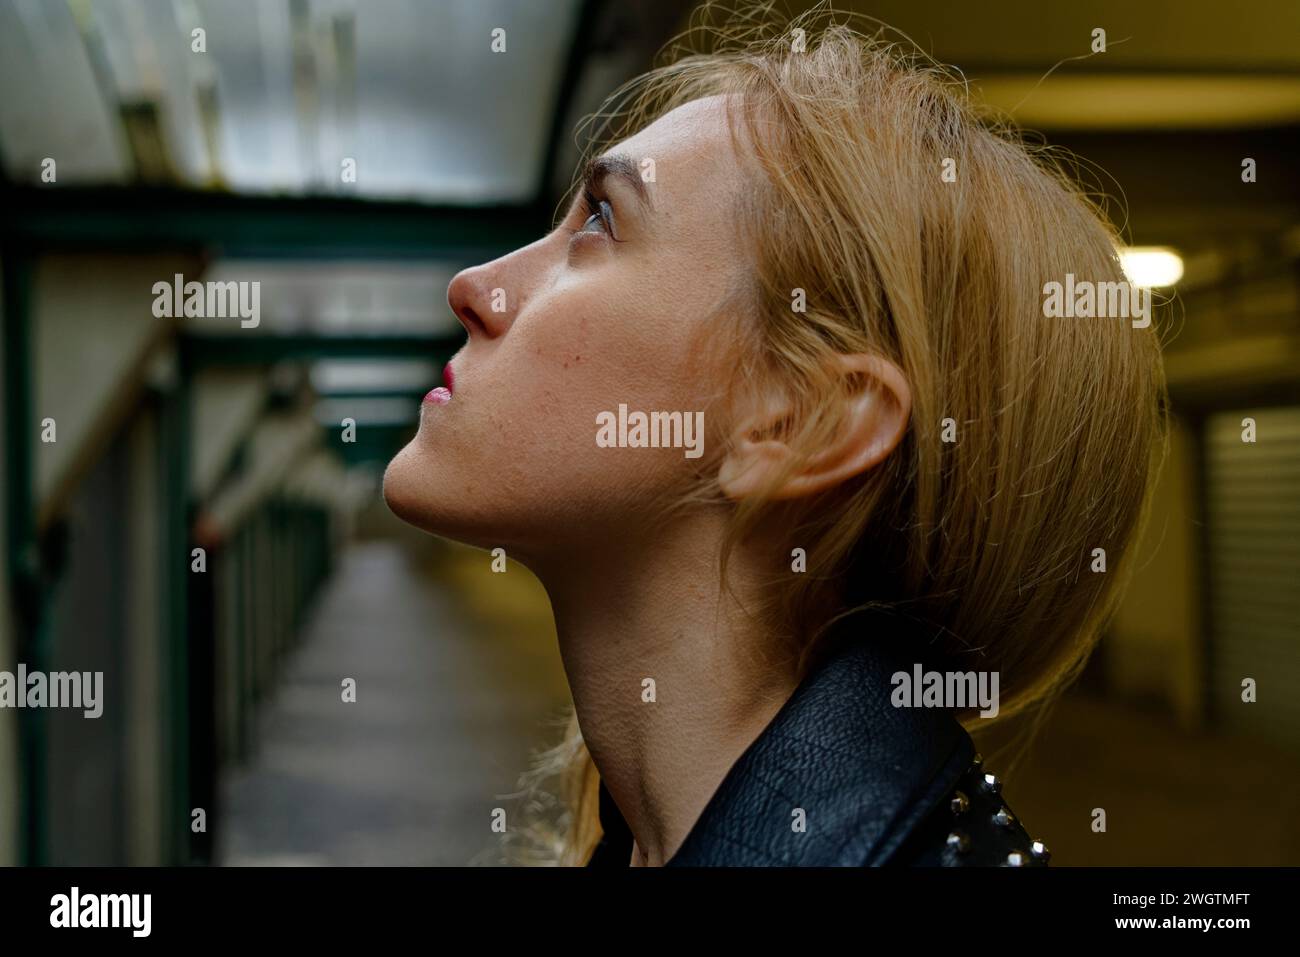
(1253, 510)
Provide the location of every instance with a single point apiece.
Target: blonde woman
(776, 416)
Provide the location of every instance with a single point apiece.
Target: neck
(671, 678)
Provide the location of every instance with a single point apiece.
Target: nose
(481, 302)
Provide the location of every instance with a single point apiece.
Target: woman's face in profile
(610, 308)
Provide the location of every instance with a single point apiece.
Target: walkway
(447, 708)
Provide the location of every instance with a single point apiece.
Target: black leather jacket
(877, 784)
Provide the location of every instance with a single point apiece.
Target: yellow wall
(1154, 649)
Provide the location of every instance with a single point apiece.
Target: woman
(777, 418)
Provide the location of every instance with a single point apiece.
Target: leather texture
(874, 784)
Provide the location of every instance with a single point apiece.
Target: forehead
(693, 153)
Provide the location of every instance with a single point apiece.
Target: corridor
(444, 718)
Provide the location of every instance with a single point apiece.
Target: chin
(411, 491)
(402, 490)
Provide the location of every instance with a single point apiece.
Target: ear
(875, 404)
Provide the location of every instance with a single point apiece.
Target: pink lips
(442, 394)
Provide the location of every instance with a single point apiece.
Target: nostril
(470, 319)
(461, 292)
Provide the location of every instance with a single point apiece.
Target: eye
(600, 215)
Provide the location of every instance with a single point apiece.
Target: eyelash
(594, 207)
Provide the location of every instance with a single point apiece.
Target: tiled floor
(449, 702)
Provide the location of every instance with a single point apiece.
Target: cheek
(634, 349)
(593, 349)
(514, 458)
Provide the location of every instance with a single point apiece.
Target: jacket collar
(863, 773)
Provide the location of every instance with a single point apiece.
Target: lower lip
(438, 396)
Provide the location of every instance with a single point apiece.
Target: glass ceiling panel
(53, 105)
(286, 92)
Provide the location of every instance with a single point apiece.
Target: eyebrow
(618, 166)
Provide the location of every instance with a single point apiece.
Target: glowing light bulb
(1151, 266)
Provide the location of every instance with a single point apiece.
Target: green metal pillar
(174, 449)
(25, 579)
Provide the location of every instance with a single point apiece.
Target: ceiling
(1168, 64)
(288, 90)
(284, 94)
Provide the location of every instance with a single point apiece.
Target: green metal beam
(374, 392)
(212, 350)
(145, 219)
(375, 443)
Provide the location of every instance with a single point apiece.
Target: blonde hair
(986, 540)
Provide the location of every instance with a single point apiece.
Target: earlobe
(874, 403)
